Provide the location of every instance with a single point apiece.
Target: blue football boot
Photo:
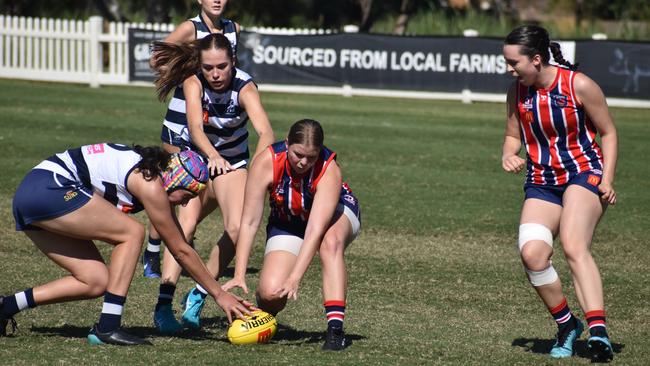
(601, 349)
(151, 263)
(192, 304)
(165, 321)
(566, 339)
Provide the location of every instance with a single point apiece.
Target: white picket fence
(77, 51)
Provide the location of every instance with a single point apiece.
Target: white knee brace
(532, 231)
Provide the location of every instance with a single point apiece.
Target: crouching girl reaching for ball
(556, 112)
(84, 194)
(312, 210)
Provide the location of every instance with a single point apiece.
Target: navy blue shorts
(553, 194)
(44, 195)
(348, 205)
(172, 138)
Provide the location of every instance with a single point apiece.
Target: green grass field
(435, 276)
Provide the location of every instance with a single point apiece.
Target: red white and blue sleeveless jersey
(291, 197)
(559, 137)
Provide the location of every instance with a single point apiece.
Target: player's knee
(536, 246)
(533, 259)
(232, 229)
(134, 234)
(535, 243)
(96, 281)
(268, 301)
(331, 247)
(575, 251)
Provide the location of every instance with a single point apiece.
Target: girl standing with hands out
(207, 114)
(556, 113)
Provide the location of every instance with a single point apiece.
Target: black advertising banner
(376, 61)
(622, 69)
(139, 53)
(428, 64)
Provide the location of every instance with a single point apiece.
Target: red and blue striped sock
(562, 314)
(335, 312)
(596, 320)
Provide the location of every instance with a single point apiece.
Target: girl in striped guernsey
(209, 21)
(208, 113)
(556, 113)
(84, 194)
(311, 210)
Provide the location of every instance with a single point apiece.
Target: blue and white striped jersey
(104, 168)
(224, 120)
(201, 30)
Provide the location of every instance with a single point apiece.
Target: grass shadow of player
(544, 346)
(294, 336)
(150, 333)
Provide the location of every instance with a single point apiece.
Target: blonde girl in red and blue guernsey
(556, 113)
(312, 210)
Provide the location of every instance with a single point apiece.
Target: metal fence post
(96, 59)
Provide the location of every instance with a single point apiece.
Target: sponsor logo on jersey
(231, 107)
(95, 149)
(528, 103)
(529, 117)
(559, 100)
(594, 180)
(69, 195)
(349, 198)
(206, 117)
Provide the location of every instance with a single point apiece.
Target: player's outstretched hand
(235, 282)
(234, 305)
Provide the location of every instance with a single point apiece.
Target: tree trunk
(158, 11)
(366, 19)
(110, 10)
(405, 12)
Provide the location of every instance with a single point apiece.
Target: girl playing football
(556, 113)
(207, 114)
(312, 210)
(84, 194)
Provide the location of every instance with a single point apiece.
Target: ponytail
(557, 57)
(172, 64)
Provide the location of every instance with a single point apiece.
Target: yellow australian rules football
(260, 327)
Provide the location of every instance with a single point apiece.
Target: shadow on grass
(213, 329)
(543, 346)
(286, 335)
(71, 331)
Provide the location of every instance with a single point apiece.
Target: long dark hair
(154, 161)
(534, 40)
(307, 132)
(173, 63)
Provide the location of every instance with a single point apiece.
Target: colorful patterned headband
(186, 170)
